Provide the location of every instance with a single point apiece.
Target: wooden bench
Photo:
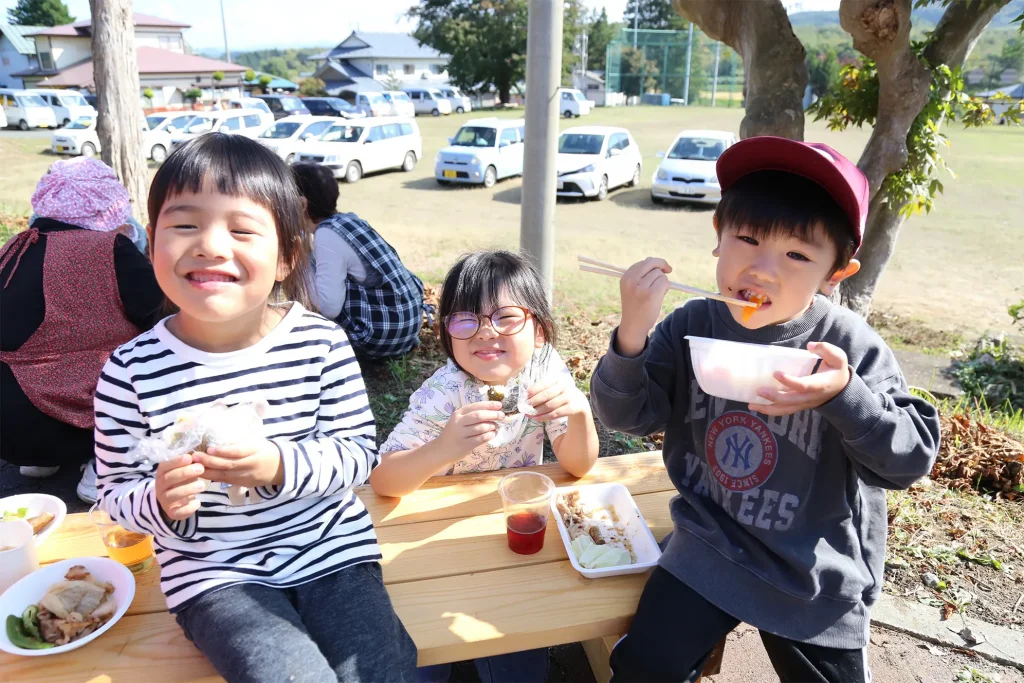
(456, 586)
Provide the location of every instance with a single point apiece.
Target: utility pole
(224, 25)
(714, 83)
(689, 50)
(543, 78)
(636, 20)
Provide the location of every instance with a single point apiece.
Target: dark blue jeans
(528, 666)
(340, 627)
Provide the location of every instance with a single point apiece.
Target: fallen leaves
(973, 455)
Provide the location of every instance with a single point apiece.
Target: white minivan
(289, 136)
(572, 102)
(80, 138)
(483, 151)
(247, 122)
(401, 105)
(429, 101)
(371, 103)
(460, 103)
(353, 148)
(67, 105)
(26, 110)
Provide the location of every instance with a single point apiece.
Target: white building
(64, 60)
(17, 53)
(370, 61)
(591, 84)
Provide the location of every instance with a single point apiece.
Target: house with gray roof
(17, 53)
(368, 61)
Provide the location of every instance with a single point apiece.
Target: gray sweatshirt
(779, 521)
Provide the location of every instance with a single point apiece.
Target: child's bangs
(233, 167)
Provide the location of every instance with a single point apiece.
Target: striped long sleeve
(319, 418)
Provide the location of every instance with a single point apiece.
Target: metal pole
(714, 83)
(543, 77)
(636, 21)
(686, 83)
(224, 25)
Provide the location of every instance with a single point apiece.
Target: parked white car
(572, 102)
(400, 103)
(253, 103)
(594, 159)
(289, 136)
(247, 122)
(353, 148)
(26, 110)
(482, 152)
(687, 172)
(460, 103)
(429, 101)
(370, 103)
(169, 122)
(67, 105)
(80, 138)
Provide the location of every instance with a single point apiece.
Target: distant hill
(925, 16)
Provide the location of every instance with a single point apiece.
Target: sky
(255, 24)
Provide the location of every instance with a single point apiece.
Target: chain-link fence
(653, 61)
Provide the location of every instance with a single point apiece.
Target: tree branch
(881, 31)
(959, 29)
(773, 60)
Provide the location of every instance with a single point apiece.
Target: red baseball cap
(819, 163)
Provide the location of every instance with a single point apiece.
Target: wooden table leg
(714, 663)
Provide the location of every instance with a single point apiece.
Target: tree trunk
(773, 60)
(881, 31)
(504, 89)
(116, 74)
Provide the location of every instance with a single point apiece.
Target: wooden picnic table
(456, 586)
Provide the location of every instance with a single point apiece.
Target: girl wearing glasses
(489, 407)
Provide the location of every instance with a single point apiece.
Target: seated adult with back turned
(360, 280)
(72, 289)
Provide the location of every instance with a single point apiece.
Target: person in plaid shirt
(360, 281)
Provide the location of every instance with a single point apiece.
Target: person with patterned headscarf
(73, 287)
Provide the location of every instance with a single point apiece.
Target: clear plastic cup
(526, 499)
(130, 548)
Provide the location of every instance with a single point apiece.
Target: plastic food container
(735, 370)
(615, 497)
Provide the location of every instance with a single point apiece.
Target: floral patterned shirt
(450, 388)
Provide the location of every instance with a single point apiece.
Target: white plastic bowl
(612, 496)
(735, 370)
(31, 589)
(37, 503)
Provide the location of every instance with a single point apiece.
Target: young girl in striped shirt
(285, 586)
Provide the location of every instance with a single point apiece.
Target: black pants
(675, 630)
(28, 436)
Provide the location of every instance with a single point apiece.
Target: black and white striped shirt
(320, 419)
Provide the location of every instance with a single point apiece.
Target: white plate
(31, 589)
(617, 497)
(37, 503)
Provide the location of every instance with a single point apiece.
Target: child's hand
(257, 463)
(803, 393)
(177, 484)
(557, 398)
(471, 426)
(643, 288)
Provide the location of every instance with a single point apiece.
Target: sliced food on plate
(71, 609)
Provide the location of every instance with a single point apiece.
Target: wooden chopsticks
(590, 265)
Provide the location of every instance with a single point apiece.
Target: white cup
(21, 559)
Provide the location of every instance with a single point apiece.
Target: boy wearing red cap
(780, 521)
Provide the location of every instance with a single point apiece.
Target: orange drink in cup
(130, 548)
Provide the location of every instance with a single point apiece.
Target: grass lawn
(956, 269)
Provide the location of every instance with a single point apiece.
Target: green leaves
(853, 101)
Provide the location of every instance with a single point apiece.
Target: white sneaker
(87, 486)
(38, 472)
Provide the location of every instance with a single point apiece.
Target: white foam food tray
(604, 497)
